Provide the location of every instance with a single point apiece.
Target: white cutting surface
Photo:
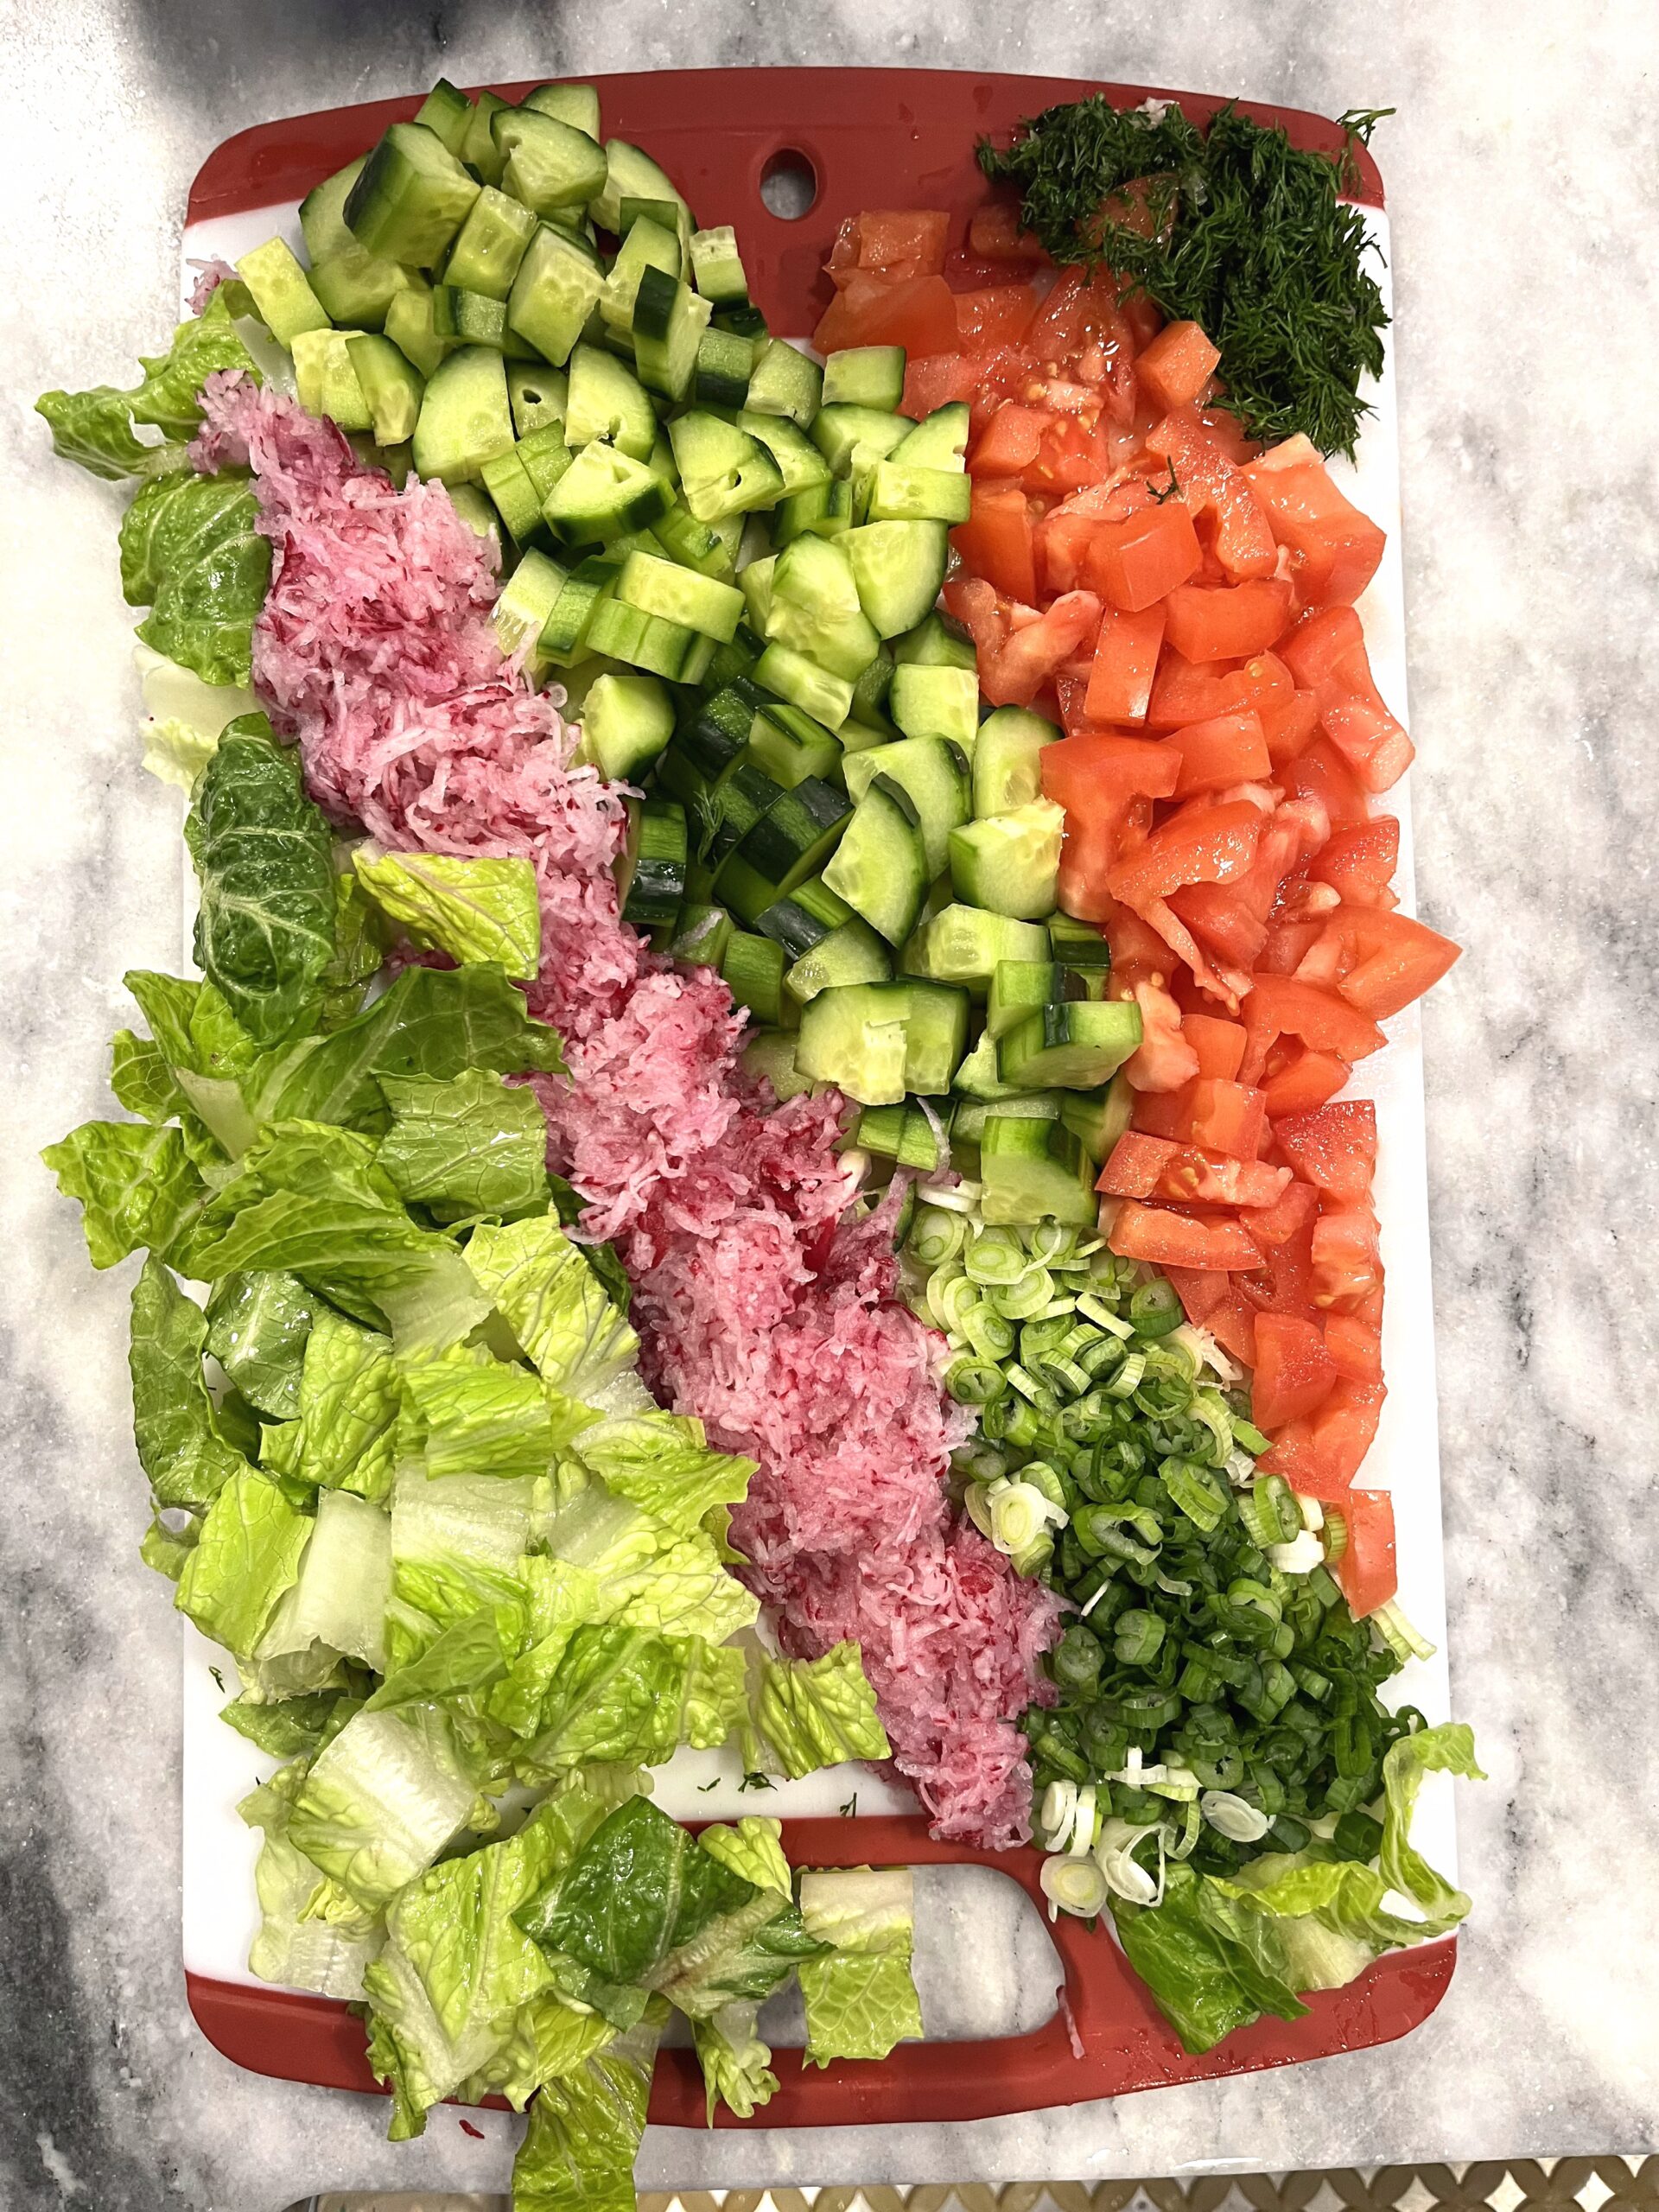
(220, 1913)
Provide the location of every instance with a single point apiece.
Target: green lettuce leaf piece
(754, 1849)
(359, 953)
(136, 1185)
(560, 1598)
(554, 1303)
(249, 1552)
(434, 1022)
(95, 428)
(627, 1695)
(611, 1538)
(460, 1527)
(180, 1445)
(337, 1604)
(167, 1549)
(482, 1420)
(456, 1968)
(663, 1462)
(175, 751)
(861, 1997)
(644, 1906)
(470, 1655)
(471, 909)
(257, 1327)
(380, 1802)
(348, 1406)
(309, 1198)
(191, 552)
(141, 1078)
(312, 1936)
(583, 2136)
(264, 856)
(1449, 1749)
(206, 1049)
(685, 1590)
(293, 1727)
(183, 715)
(1212, 1964)
(465, 1148)
(816, 1712)
(736, 2063)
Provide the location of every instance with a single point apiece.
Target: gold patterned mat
(1594, 2184)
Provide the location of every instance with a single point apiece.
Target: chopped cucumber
(478, 149)
(492, 243)
(1081, 946)
(850, 954)
(464, 419)
(670, 322)
(602, 493)
(791, 843)
(650, 870)
(722, 376)
(551, 167)
(907, 1135)
(666, 648)
(1019, 988)
(1010, 862)
(357, 288)
(410, 197)
(322, 213)
(411, 325)
(939, 440)
(977, 1078)
(865, 376)
(771, 1054)
(785, 382)
(936, 1037)
(880, 869)
(285, 300)
(447, 112)
(900, 567)
(934, 773)
(853, 1036)
(325, 380)
(800, 464)
(722, 469)
(632, 175)
(1099, 1118)
(626, 723)
(971, 1116)
(521, 613)
(557, 288)
(934, 702)
(1007, 759)
(391, 387)
(576, 105)
(701, 934)
(1076, 1045)
(814, 690)
(805, 918)
(963, 945)
(1034, 1171)
(902, 492)
(791, 746)
(680, 596)
(838, 431)
(753, 970)
(717, 268)
(938, 641)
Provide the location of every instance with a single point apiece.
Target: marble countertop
(1525, 206)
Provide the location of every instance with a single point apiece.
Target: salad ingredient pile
(621, 878)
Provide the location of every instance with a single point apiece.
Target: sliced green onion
(1194, 1491)
(1154, 1309)
(1398, 1633)
(1080, 1887)
(1125, 1876)
(1126, 1380)
(974, 1382)
(1233, 1816)
(1082, 1825)
(937, 1235)
(995, 1256)
(1102, 1316)
(1138, 1637)
(1057, 1813)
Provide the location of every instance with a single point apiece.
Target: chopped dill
(1232, 228)
(754, 1780)
(850, 1809)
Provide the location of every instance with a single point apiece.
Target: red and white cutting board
(880, 137)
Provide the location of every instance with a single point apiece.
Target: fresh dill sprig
(1242, 232)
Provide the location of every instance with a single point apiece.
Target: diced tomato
(1232, 1323)
(1379, 960)
(1336, 549)
(1333, 1147)
(996, 315)
(1143, 1167)
(1228, 749)
(1303, 1081)
(1219, 1044)
(895, 243)
(1095, 778)
(1228, 1117)
(1291, 1213)
(1356, 1345)
(1181, 1240)
(993, 233)
(1317, 644)
(1293, 1371)
(1182, 693)
(1033, 652)
(1374, 746)
(1177, 366)
(1126, 659)
(1288, 942)
(1289, 729)
(919, 313)
(1010, 441)
(1133, 563)
(1080, 313)
(995, 541)
(1320, 772)
(1319, 1017)
(1347, 1258)
(1228, 621)
(1219, 917)
(1201, 843)
(1215, 486)
(1359, 862)
(1365, 1571)
(935, 380)
(1163, 1062)
(1200, 1292)
(1319, 1455)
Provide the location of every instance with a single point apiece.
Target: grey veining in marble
(1525, 186)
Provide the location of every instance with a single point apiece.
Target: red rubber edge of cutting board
(881, 138)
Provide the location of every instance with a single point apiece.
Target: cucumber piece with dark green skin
(1076, 1045)
(393, 387)
(651, 871)
(1099, 1118)
(723, 364)
(805, 918)
(880, 867)
(632, 175)
(753, 970)
(647, 246)
(739, 801)
(448, 112)
(899, 568)
(791, 746)
(935, 1036)
(785, 383)
(603, 493)
(1074, 943)
(851, 953)
(906, 1135)
(680, 596)
(701, 935)
(1007, 759)
(550, 166)
(853, 1036)
(717, 268)
(939, 440)
(935, 773)
(411, 197)
(357, 288)
(790, 841)
(626, 723)
(716, 738)
(938, 641)
(322, 213)
(576, 105)
(799, 462)
(464, 419)
(565, 632)
(838, 431)
(1020, 987)
(1033, 1170)
(1010, 862)
(556, 291)
(669, 324)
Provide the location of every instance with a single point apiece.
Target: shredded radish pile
(375, 650)
(759, 1311)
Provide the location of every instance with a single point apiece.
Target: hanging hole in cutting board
(984, 1963)
(788, 185)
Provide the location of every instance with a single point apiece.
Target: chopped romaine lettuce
(472, 909)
